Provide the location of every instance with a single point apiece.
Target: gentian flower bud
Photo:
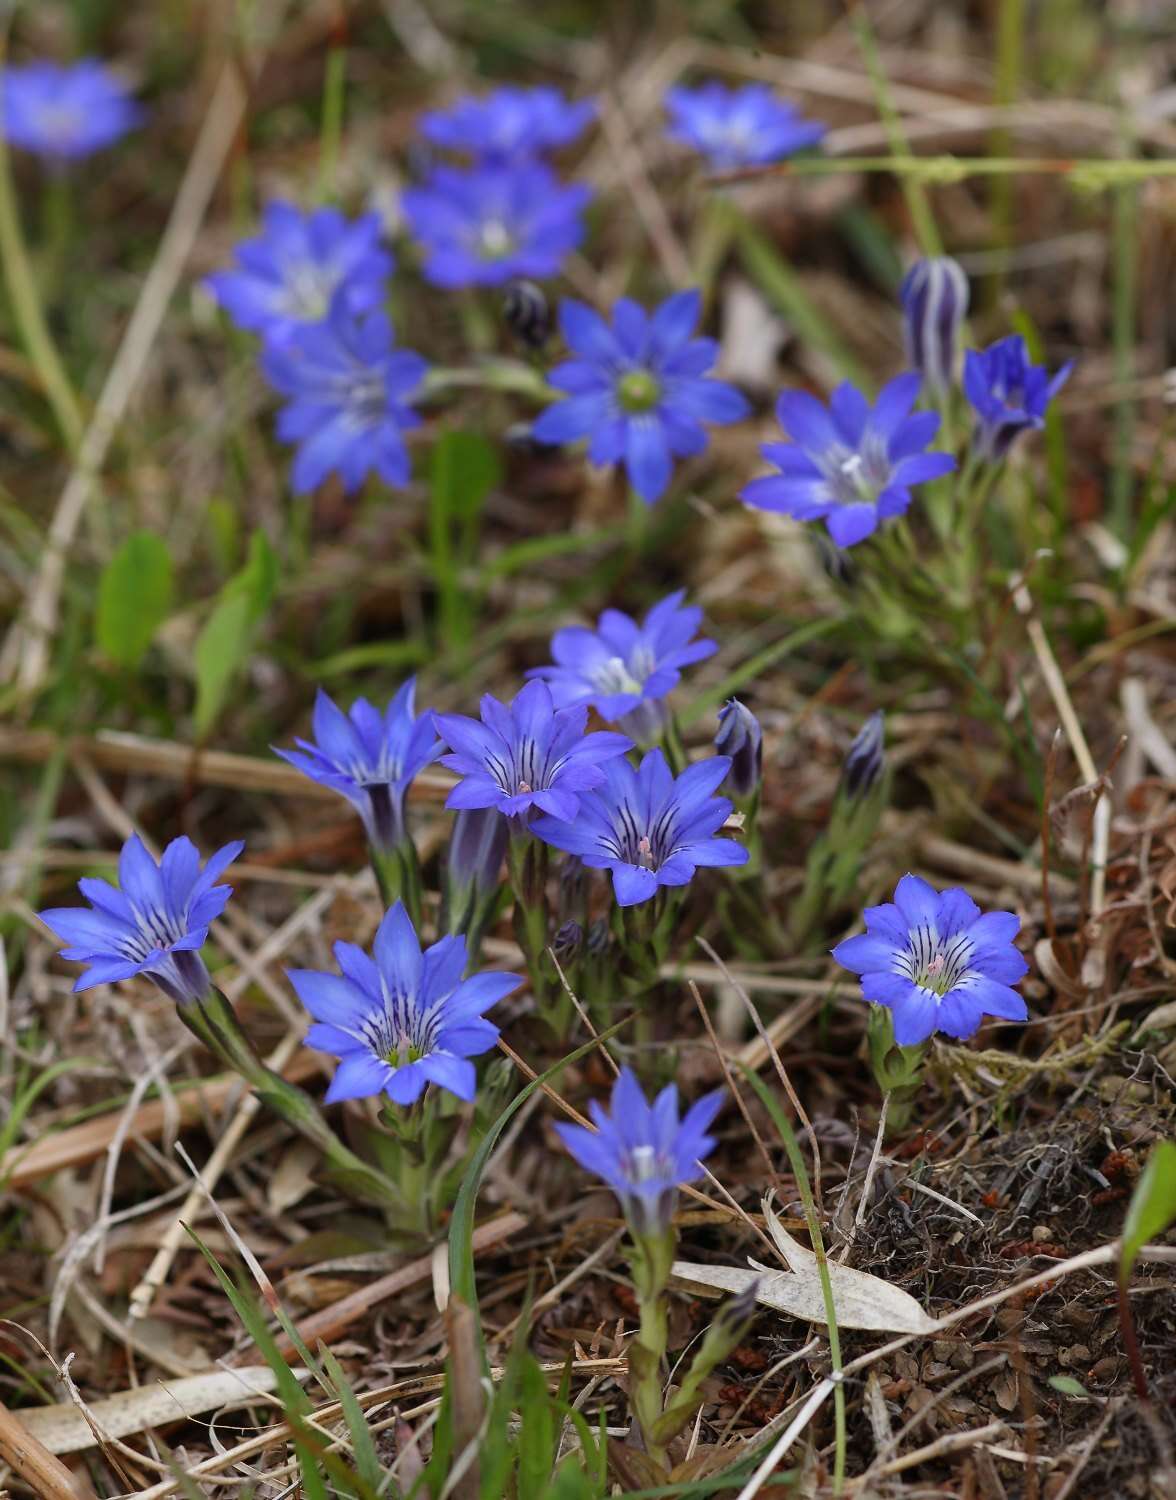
(741, 738)
(934, 297)
(865, 758)
(473, 872)
(527, 313)
(598, 938)
(568, 942)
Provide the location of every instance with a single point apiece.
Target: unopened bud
(568, 941)
(527, 313)
(741, 737)
(865, 758)
(837, 561)
(598, 938)
(934, 297)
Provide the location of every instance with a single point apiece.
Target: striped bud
(934, 297)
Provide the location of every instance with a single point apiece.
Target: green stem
(1010, 26)
(331, 132)
(398, 875)
(651, 1257)
(527, 863)
(914, 191)
(26, 305)
(215, 1023)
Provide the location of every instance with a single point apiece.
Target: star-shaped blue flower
(648, 828)
(644, 1152)
(936, 962)
(526, 755)
(739, 127)
(509, 124)
(64, 113)
(486, 225)
(637, 389)
(401, 1019)
(154, 922)
(288, 274)
(1009, 394)
(624, 670)
(849, 464)
(369, 757)
(348, 388)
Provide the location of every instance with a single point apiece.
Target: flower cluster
(507, 215)
(311, 286)
(63, 114)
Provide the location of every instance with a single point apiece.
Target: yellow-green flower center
(638, 391)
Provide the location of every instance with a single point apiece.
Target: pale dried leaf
(860, 1300)
(63, 1428)
(293, 1177)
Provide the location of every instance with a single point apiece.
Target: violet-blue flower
(154, 922)
(526, 754)
(509, 124)
(739, 127)
(288, 275)
(369, 757)
(66, 112)
(741, 739)
(401, 1019)
(636, 389)
(485, 225)
(647, 827)
(1008, 393)
(643, 1151)
(936, 962)
(849, 464)
(624, 670)
(348, 387)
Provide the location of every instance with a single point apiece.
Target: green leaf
(1152, 1209)
(537, 1435)
(1068, 1385)
(464, 468)
(462, 1277)
(134, 597)
(367, 1463)
(224, 644)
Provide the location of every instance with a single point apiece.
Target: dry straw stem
(25, 655)
(32, 1461)
(78, 1144)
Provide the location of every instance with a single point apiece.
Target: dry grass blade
(31, 1461)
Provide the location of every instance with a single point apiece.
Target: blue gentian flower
(486, 225)
(349, 388)
(288, 274)
(509, 124)
(636, 389)
(936, 963)
(849, 464)
(64, 113)
(865, 760)
(401, 1019)
(934, 297)
(154, 922)
(369, 757)
(642, 1151)
(1009, 394)
(739, 127)
(624, 670)
(647, 827)
(526, 754)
